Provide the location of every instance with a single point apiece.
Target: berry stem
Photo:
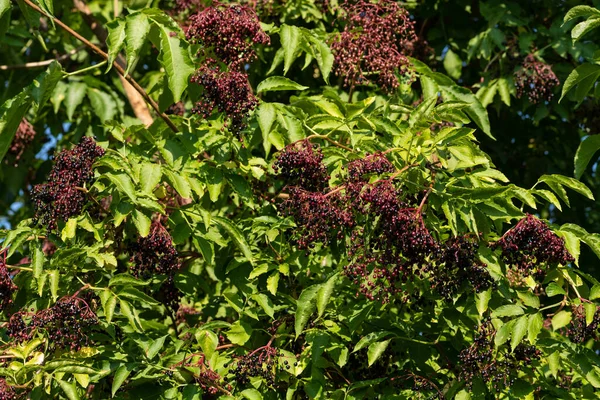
(104, 55)
(19, 268)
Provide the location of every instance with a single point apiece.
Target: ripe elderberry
(536, 79)
(375, 163)
(7, 286)
(229, 32)
(23, 138)
(375, 42)
(301, 164)
(531, 247)
(176, 109)
(66, 324)
(579, 331)
(7, 392)
(61, 197)
(262, 362)
(319, 216)
(154, 254)
(229, 92)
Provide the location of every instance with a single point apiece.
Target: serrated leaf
(503, 333)
(126, 280)
(74, 97)
(595, 292)
(120, 376)
(128, 313)
(266, 114)
(554, 363)
(376, 350)
(265, 303)
(239, 333)
(123, 183)
(534, 327)
(43, 85)
(11, 115)
(150, 176)
(476, 111)
(174, 57)
(142, 222)
(236, 235)
(324, 294)
(453, 64)
(554, 289)
(508, 310)
(109, 307)
(290, 42)
(69, 389)
(277, 83)
(482, 299)
(586, 150)
(208, 341)
(518, 331)
(581, 11)
(251, 394)
(37, 260)
(560, 320)
(137, 29)
(568, 182)
(584, 27)
(579, 74)
(54, 277)
(273, 283)
(115, 40)
(306, 305)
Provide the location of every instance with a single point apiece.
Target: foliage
(292, 200)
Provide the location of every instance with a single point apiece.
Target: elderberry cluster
(498, 369)
(536, 79)
(375, 42)
(208, 380)
(154, 254)
(62, 196)
(301, 164)
(319, 216)
(531, 247)
(262, 362)
(229, 92)
(7, 286)
(66, 324)
(7, 392)
(579, 331)
(176, 109)
(229, 32)
(457, 265)
(23, 138)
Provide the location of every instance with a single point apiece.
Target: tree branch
(38, 64)
(116, 65)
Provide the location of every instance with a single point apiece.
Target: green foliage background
(242, 271)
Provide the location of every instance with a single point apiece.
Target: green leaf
(136, 30)
(324, 294)
(560, 320)
(306, 305)
(11, 115)
(208, 341)
(38, 260)
(581, 11)
(504, 90)
(126, 280)
(103, 103)
(595, 292)
(69, 389)
(503, 333)
(54, 276)
(518, 331)
(175, 58)
(155, 347)
(290, 42)
(584, 27)
(273, 283)
(376, 350)
(236, 235)
(276, 83)
(120, 376)
(128, 313)
(323, 55)
(123, 183)
(453, 64)
(554, 289)
(266, 114)
(109, 307)
(568, 182)
(554, 363)
(142, 222)
(239, 333)
(180, 182)
(579, 74)
(586, 150)
(265, 303)
(534, 327)
(136, 294)
(251, 394)
(150, 176)
(115, 40)
(476, 111)
(43, 85)
(74, 97)
(508, 310)
(482, 299)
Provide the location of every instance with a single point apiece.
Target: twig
(39, 64)
(116, 66)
